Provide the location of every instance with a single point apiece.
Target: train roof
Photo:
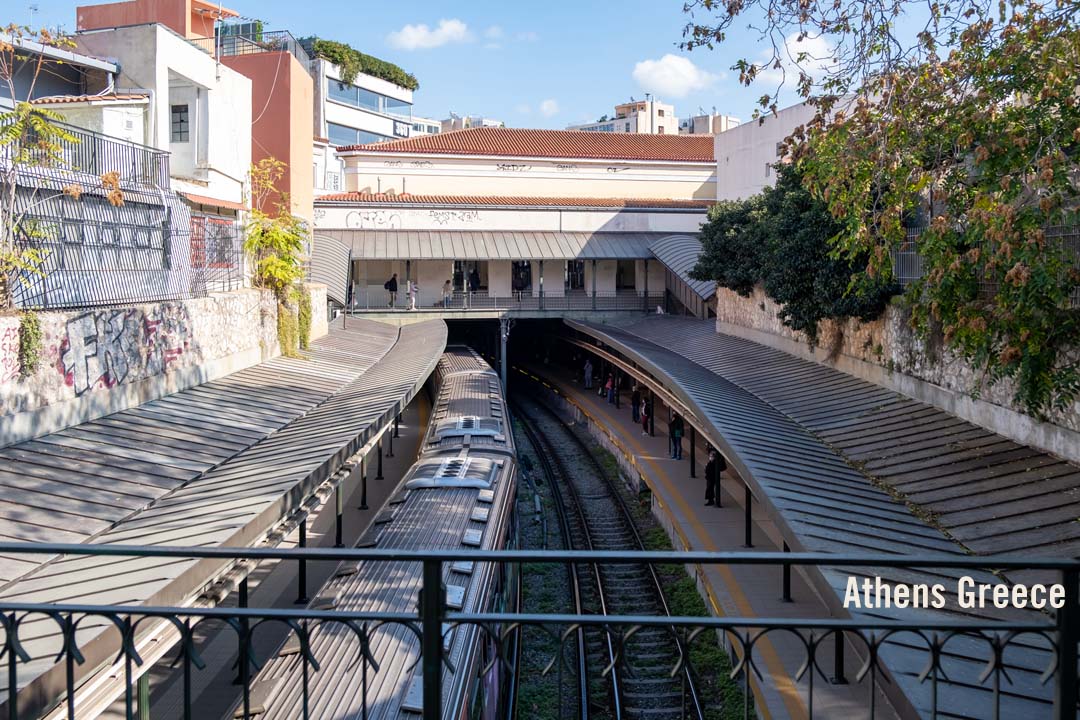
(469, 409)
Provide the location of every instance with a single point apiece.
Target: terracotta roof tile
(358, 197)
(65, 99)
(516, 142)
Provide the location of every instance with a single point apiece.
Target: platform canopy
(679, 254)
(493, 245)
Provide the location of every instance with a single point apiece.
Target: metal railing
(378, 300)
(88, 156)
(253, 43)
(1038, 642)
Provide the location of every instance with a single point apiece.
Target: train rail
(641, 675)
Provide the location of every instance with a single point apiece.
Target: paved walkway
(731, 590)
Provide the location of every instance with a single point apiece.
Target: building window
(660, 130)
(627, 127)
(660, 113)
(768, 169)
(344, 135)
(779, 149)
(364, 99)
(181, 128)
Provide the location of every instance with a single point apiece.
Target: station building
(531, 222)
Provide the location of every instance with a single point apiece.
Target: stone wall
(102, 360)
(888, 352)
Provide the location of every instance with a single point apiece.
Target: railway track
(594, 516)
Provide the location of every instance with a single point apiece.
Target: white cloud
(494, 32)
(417, 37)
(672, 76)
(549, 107)
(527, 36)
(523, 108)
(812, 55)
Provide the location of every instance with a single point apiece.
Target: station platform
(835, 464)
(743, 591)
(224, 463)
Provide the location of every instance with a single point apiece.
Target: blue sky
(546, 64)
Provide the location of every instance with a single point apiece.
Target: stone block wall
(103, 360)
(888, 352)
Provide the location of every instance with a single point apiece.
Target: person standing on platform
(588, 373)
(391, 287)
(678, 427)
(609, 386)
(447, 293)
(644, 417)
(635, 404)
(713, 468)
(414, 289)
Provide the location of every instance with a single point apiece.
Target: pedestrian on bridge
(391, 287)
(447, 293)
(713, 468)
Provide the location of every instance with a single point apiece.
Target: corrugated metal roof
(680, 253)
(329, 264)
(779, 420)
(493, 245)
(235, 501)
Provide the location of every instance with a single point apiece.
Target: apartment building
(707, 124)
(745, 155)
(646, 116)
(462, 122)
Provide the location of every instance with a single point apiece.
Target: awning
(216, 202)
(679, 254)
(495, 245)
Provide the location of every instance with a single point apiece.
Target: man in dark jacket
(678, 427)
(391, 287)
(635, 404)
(713, 468)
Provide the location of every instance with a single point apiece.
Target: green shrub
(288, 330)
(350, 62)
(30, 343)
(303, 316)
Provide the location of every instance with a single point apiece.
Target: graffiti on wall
(106, 348)
(9, 354)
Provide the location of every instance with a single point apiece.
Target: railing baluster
(13, 667)
(432, 611)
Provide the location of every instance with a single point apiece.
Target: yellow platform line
(789, 693)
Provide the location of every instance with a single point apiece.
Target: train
(459, 494)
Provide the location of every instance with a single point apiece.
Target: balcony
(481, 304)
(253, 43)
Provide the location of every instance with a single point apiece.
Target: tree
(780, 239)
(973, 119)
(32, 142)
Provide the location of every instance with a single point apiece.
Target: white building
(745, 155)
(458, 122)
(366, 110)
(197, 109)
(644, 116)
(708, 124)
(425, 126)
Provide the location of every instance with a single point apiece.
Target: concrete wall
(657, 276)
(605, 277)
(529, 177)
(101, 361)
(381, 217)
(888, 352)
(499, 278)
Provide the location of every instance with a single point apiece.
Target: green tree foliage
(780, 239)
(274, 241)
(303, 317)
(30, 343)
(350, 62)
(987, 138)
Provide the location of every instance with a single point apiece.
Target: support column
(693, 452)
(378, 473)
(339, 518)
(505, 324)
(363, 486)
(652, 413)
(541, 284)
(397, 425)
(301, 585)
(838, 676)
(785, 578)
(747, 517)
(594, 284)
(645, 296)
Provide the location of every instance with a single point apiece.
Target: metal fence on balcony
(378, 300)
(1018, 644)
(253, 42)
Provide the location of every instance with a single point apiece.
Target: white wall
(744, 153)
(657, 276)
(155, 58)
(382, 216)
(605, 277)
(499, 278)
(431, 274)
